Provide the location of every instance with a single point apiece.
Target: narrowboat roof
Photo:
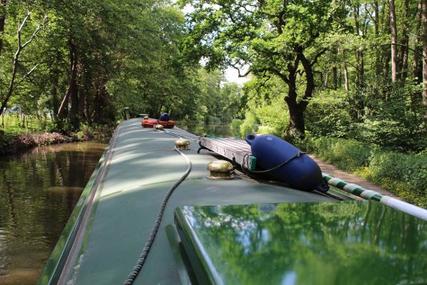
(115, 215)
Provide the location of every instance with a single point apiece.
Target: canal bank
(17, 142)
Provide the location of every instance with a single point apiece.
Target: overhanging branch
(316, 57)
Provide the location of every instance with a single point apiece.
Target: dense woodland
(82, 62)
(339, 66)
(342, 79)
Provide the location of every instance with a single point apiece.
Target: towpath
(348, 177)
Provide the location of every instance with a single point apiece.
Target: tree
(393, 29)
(272, 37)
(20, 47)
(2, 21)
(424, 32)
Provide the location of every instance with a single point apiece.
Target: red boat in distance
(151, 123)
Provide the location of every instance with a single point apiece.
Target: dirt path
(348, 177)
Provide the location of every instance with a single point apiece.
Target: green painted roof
(304, 243)
(139, 168)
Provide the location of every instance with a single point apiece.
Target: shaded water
(38, 191)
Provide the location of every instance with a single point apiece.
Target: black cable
(321, 188)
(149, 243)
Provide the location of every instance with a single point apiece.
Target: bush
(402, 174)
(249, 125)
(396, 122)
(273, 117)
(390, 116)
(235, 127)
(267, 130)
(270, 117)
(327, 114)
(348, 155)
(407, 168)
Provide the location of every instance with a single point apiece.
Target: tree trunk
(346, 82)
(404, 51)
(393, 31)
(360, 69)
(424, 20)
(378, 68)
(73, 88)
(418, 51)
(2, 21)
(309, 76)
(20, 48)
(335, 77)
(386, 55)
(325, 80)
(376, 17)
(360, 66)
(296, 127)
(11, 83)
(54, 94)
(104, 114)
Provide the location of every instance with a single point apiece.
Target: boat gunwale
(58, 260)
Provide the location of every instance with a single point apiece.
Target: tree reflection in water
(38, 191)
(312, 243)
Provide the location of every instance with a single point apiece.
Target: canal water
(210, 130)
(38, 191)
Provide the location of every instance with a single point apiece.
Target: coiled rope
(149, 243)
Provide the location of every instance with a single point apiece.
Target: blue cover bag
(297, 169)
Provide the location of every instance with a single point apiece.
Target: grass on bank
(21, 132)
(402, 174)
(19, 124)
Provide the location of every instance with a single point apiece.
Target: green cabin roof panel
(304, 243)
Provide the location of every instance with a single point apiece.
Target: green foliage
(276, 39)
(272, 117)
(99, 56)
(402, 174)
(410, 169)
(354, 97)
(328, 114)
(16, 124)
(266, 111)
(249, 125)
(217, 102)
(235, 127)
(396, 122)
(346, 154)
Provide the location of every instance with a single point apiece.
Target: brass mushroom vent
(182, 144)
(220, 169)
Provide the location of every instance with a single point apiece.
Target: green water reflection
(38, 191)
(339, 243)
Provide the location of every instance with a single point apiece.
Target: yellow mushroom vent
(220, 169)
(182, 144)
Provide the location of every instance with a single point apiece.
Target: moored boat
(244, 229)
(151, 123)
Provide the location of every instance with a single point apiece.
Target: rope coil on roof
(149, 242)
